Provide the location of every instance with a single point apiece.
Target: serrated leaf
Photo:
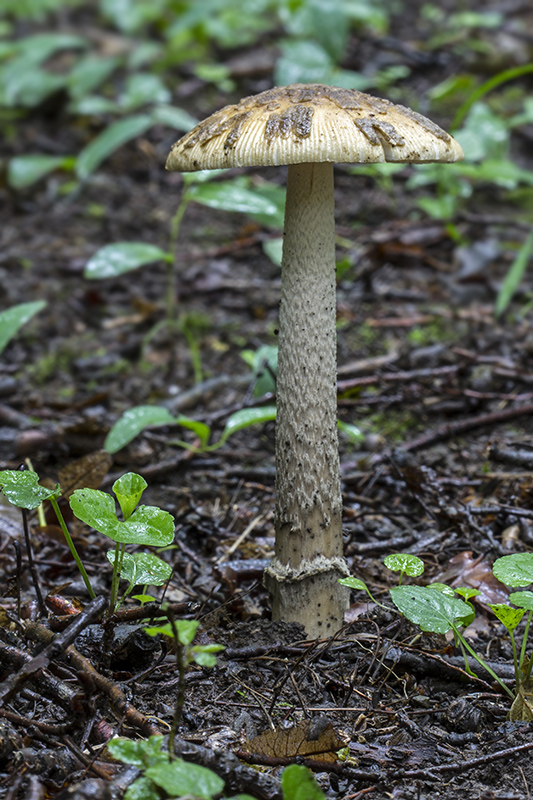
(514, 570)
(116, 259)
(509, 617)
(128, 490)
(406, 563)
(15, 317)
(133, 422)
(22, 488)
(183, 778)
(430, 609)
(113, 137)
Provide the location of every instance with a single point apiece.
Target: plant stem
(117, 563)
(72, 547)
(180, 696)
(171, 268)
(515, 659)
(481, 662)
(523, 648)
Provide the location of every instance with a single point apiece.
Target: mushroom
(309, 127)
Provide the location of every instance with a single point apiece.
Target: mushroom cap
(311, 123)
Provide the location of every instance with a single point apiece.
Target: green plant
(436, 608)
(15, 317)
(177, 777)
(142, 525)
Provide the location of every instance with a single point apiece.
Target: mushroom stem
(303, 577)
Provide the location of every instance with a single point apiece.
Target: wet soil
(441, 391)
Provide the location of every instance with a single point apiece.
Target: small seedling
(142, 525)
(438, 609)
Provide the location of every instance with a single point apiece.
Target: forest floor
(441, 390)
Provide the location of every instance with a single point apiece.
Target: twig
(91, 676)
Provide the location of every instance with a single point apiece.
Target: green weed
(438, 608)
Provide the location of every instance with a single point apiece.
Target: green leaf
(429, 609)
(22, 488)
(405, 563)
(182, 778)
(229, 196)
(117, 134)
(96, 509)
(143, 88)
(466, 592)
(354, 583)
(140, 569)
(116, 259)
(89, 73)
(133, 422)
(201, 430)
(243, 419)
(303, 61)
(142, 789)
(447, 590)
(297, 783)
(15, 317)
(510, 617)
(186, 629)
(173, 117)
(514, 276)
(264, 363)
(147, 525)
(514, 570)
(352, 432)
(129, 489)
(273, 248)
(138, 752)
(23, 171)
(203, 654)
(522, 600)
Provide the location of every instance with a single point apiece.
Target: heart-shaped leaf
(430, 609)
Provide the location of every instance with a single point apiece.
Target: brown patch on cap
(307, 123)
